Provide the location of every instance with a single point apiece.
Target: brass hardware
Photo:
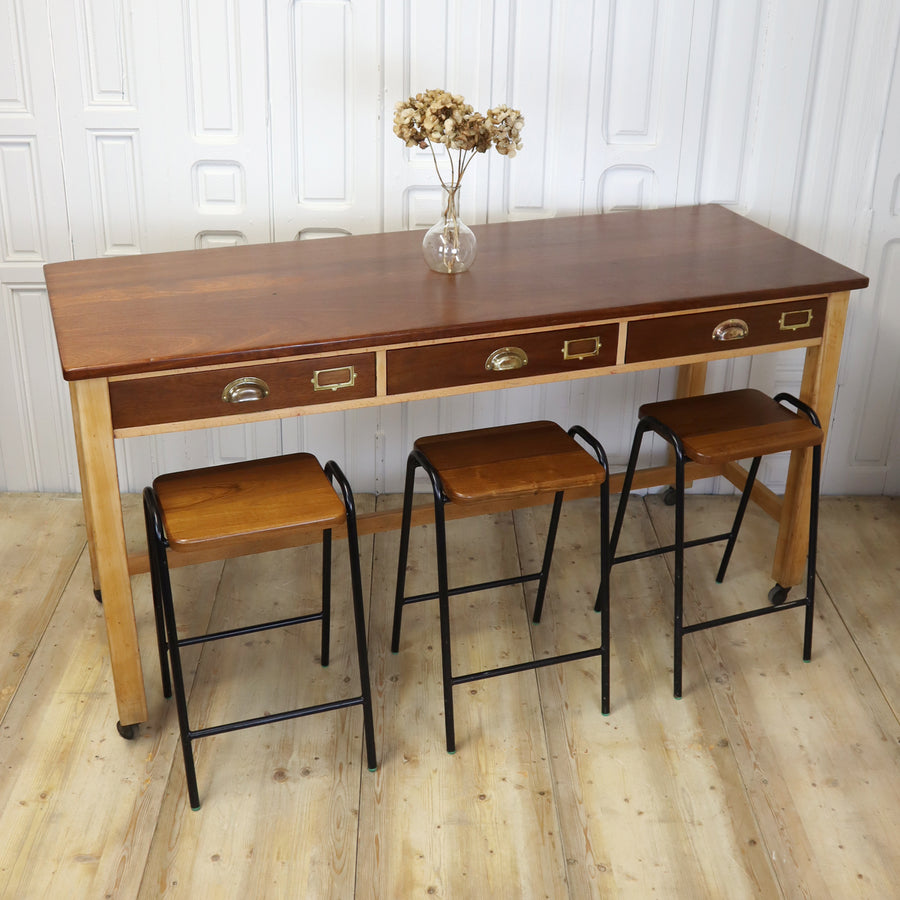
(802, 323)
(731, 330)
(506, 358)
(328, 379)
(581, 348)
(243, 389)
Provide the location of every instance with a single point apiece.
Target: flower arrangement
(439, 117)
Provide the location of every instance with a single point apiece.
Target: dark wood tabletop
(152, 312)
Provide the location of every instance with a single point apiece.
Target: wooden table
(175, 341)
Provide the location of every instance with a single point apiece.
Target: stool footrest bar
(274, 717)
(526, 666)
(249, 629)
(472, 588)
(656, 551)
(740, 617)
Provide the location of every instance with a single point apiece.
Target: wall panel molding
(21, 207)
(321, 49)
(115, 172)
(215, 76)
(108, 48)
(631, 103)
(15, 92)
(139, 127)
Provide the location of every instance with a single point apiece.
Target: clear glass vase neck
(449, 246)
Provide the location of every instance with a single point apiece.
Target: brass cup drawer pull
(731, 330)
(245, 389)
(581, 348)
(794, 319)
(505, 359)
(333, 379)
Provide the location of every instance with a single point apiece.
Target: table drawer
(501, 359)
(256, 388)
(724, 329)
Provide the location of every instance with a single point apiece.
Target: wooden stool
(719, 428)
(493, 464)
(243, 508)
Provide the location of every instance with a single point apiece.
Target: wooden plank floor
(770, 778)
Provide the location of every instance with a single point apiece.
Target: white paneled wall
(128, 127)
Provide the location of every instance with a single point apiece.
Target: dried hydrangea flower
(439, 117)
(506, 127)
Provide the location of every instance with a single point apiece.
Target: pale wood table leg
(691, 382)
(88, 523)
(106, 534)
(817, 389)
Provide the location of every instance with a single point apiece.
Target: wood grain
(192, 396)
(733, 425)
(528, 458)
(771, 778)
(219, 506)
(42, 537)
(99, 480)
(815, 743)
(820, 370)
(492, 828)
(455, 363)
(693, 334)
(154, 312)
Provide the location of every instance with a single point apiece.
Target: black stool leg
(679, 567)
(811, 553)
(155, 539)
(738, 519)
(411, 466)
(602, 604)
(648, 423)
(642, 427)
(416, 459)
(359, 615)
(548, 556)
(326, 595)
(815, 475)
(178, 679)
(440, 538)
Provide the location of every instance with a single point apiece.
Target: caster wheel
(127, 731)
(778, 595)
(669, 496)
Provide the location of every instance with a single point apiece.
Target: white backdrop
(131, 126)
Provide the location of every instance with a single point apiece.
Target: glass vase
(449, 245)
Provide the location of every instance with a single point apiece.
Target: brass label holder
(349, 379)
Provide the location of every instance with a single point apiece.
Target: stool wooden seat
(742, 424)
(231, 505)
(712, 429)
(243, 508)
(508, 461)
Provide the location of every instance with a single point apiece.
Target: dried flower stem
(438, 117)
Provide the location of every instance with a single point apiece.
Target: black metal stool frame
(170, 644)
(649, 423)
(444, 592)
